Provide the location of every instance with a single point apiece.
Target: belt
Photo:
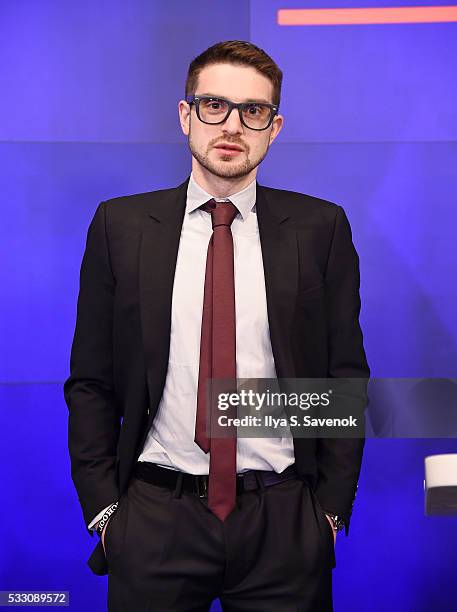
(198, 484)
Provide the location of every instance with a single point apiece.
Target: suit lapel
(157, 262)
(279, 246)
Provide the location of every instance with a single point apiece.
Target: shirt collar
(244, 200)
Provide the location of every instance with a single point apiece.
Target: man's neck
(220, 187)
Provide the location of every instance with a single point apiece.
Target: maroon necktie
(218, 357)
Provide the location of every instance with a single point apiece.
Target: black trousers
(168, 552)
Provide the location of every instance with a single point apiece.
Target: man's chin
(228, 170)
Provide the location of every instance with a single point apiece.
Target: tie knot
(222, 213)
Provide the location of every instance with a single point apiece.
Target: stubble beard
(223, 168)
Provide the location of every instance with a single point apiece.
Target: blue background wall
(89, 95)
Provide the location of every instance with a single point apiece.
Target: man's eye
(214, 105)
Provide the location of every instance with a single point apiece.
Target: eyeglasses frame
(193, 99)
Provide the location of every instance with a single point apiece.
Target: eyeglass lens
(256, 116)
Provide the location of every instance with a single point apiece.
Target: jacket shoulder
(302, 206)
(129, 211)
(137, 199)
(296, 198)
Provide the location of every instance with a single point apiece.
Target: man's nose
(233, 123)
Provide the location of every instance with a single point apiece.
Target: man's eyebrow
(249, 100)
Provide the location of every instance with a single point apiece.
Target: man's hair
(238, 52)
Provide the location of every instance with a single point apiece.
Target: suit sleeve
(339, 459)
(94, 418)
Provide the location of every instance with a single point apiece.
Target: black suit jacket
(120, 350)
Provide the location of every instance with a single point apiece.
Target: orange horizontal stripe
(358, 16)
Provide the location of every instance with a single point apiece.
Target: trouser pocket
(115, 530)
(325, 529)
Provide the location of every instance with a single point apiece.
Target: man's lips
(228, 147)
(229, 150)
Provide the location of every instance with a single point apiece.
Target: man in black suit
(253, 523)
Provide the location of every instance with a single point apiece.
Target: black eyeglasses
(253, 115)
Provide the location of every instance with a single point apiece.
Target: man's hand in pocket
(103, 534)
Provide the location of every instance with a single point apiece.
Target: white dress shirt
(170, 441)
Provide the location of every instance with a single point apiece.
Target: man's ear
(184, 116)
(276, 127)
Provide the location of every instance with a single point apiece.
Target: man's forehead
(236, 83)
